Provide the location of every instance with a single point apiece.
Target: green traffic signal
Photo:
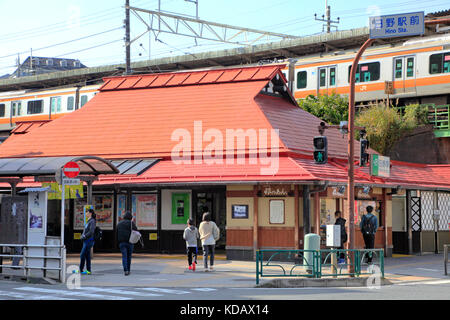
(320, 149)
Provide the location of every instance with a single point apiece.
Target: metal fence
(26, 256)
(318, 263)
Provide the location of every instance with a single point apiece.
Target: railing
(438, 116)
(317, 263)
(26, 256)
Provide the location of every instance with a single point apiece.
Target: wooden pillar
(296, 218)
(255, 220)
(317, 212)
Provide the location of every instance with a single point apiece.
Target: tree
(330, 108)
(385, 126)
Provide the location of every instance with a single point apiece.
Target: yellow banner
(71, 192)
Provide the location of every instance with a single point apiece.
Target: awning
(21, 167)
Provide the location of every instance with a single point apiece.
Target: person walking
(123, 238)
(209, 234)
(88, 242)
(369, 226)
(341, 222)
(191, 235)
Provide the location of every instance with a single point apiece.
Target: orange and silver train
(417, 69)
(47, 104)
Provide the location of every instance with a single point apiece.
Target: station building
(233, 140)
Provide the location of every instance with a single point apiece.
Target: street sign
(380, 166)
(71, 169)
(71, 182)
(397, 25)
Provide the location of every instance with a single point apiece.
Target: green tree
(330, 108)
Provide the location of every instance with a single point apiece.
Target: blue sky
(50, 23)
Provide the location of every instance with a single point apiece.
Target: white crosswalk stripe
(26, 296)
(204, 289)
(76, 293)
(163, 290)
(120, 291)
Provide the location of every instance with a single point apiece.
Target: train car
(417, 69)
(43, 104)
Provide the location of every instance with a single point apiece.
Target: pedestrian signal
(320, 149)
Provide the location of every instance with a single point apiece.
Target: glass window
(398, 68)
(436, 63)
(332, 76)
(2, 110)
(301, 79)
(322, 77)
(70, 103)
(16, 108)
(55, 104)
(84, 99)
(410, 67)
(366, 72)
(35, 106)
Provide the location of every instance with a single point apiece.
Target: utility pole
(328, 20)
(127, 38)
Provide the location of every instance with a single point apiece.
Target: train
(414, 71)
(49, 104)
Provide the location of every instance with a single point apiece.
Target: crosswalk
(95, 293)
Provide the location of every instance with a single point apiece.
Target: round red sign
(71, 169)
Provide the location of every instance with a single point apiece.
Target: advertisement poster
(121, 206)
(180, 208)
(146, 211)
(37, 211)
(71, 192)
(239, 211)
(360, 209)
(103, 207)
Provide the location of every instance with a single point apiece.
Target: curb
(314, 283)
(32, 280)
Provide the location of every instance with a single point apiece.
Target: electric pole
(328, 20)
(127, 38)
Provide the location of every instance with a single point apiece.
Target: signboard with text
(397, 25)
(380, 166)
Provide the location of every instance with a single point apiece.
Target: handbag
(135, 236)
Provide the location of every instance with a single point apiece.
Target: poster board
(276, 211)
(239, 211)
(360, 209)
(145, 210)
(103, 207)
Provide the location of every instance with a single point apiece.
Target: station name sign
(397, 25)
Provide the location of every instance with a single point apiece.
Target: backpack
(98, 234)
(368, 227)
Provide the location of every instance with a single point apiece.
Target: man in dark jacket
(341, 222)
(123, 238)
(369, 226)
(88, 242)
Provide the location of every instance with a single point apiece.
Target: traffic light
(363, 156)
(320, 149)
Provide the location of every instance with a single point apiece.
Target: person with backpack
(191, 235)
(341, 222)
(369, 226)
(124, 228)
(209, 234)
(88, 238)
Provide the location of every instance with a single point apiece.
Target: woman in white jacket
(209, 234)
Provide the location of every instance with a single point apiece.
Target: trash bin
(312, 242)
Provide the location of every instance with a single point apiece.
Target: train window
(70, 103)
(35, 106)
(322, 77)
(410, 67)
(16, 107)
(398, 68)
(366, 72)
(2, 110)
(301, 79)
(440, 63)
(332, 76)
(55, 104)
(84, 99)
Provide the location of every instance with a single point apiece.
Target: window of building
(84, 99)
(440, 63)
(301, 79)
(16, 108)
(76, 63)
(55, 104)
(63, 63)
(366, 72)
(49, 62)
(70, 103)
(2, 110)
(35, 106)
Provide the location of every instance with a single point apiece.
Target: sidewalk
(162, 270)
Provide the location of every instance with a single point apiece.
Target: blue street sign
(397, 25)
